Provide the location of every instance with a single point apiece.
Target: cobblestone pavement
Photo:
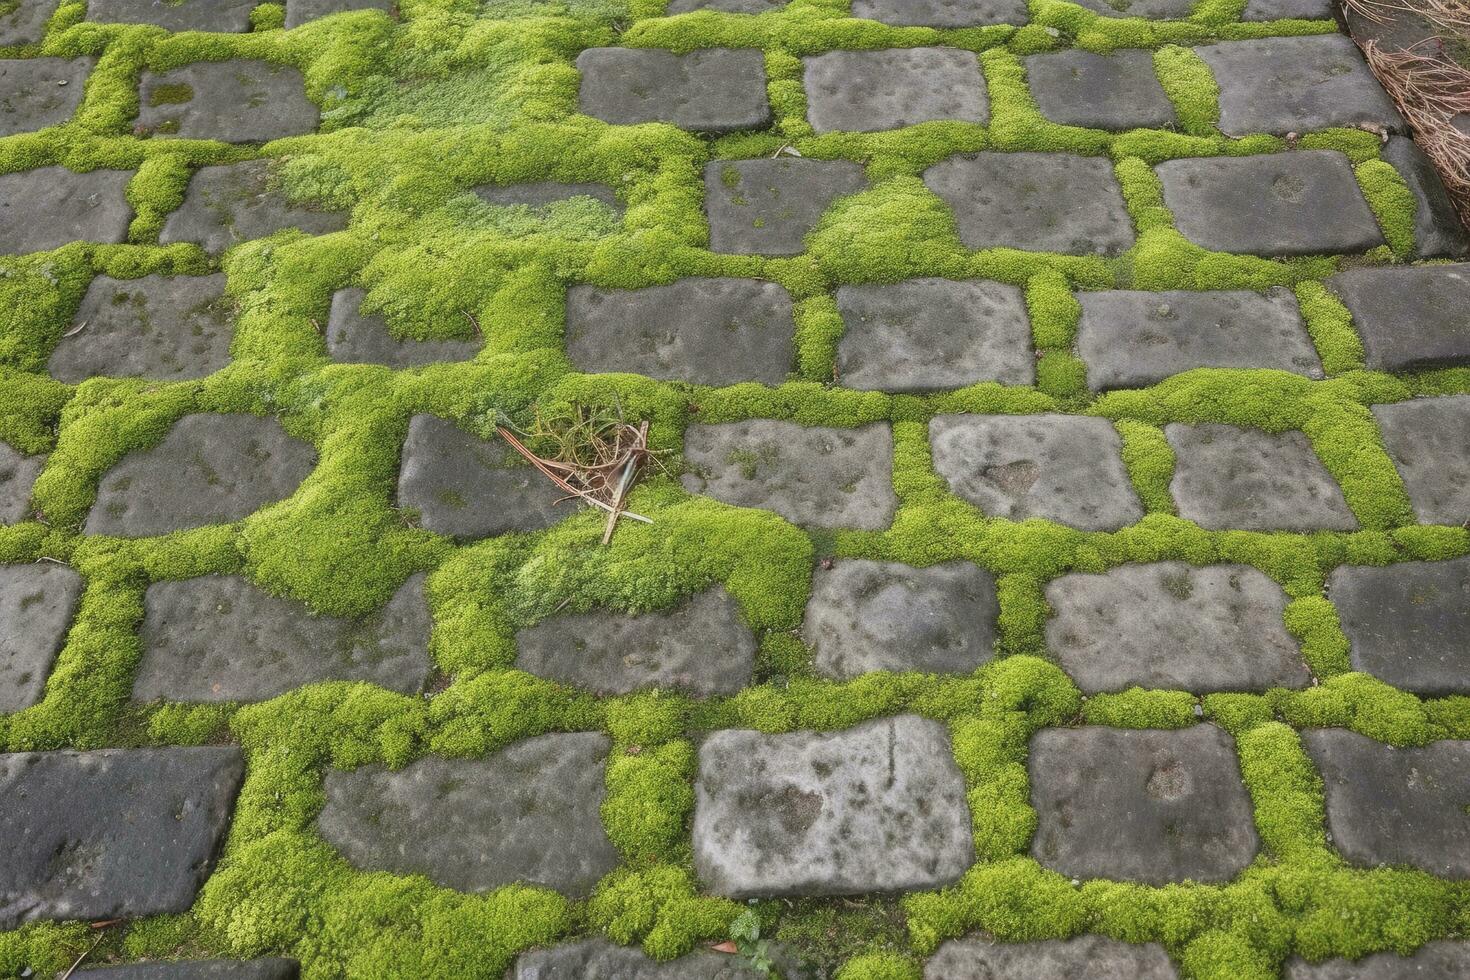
(1059, 565)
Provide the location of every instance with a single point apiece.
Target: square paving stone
(537, 195)
(273, 968)
(1438, 959)
(767, 207)
(300, 12)
(37, 603)
(48, 207)
(818, 477)
(170, 328)
(931, 334)
(529, 813)
(18, 474)
(1046, 202)
(879, 615)
(209, 469)
(1146, 806)
(1388, 806)
(220, 638)
(716, 90)
(1306, 202)
(233, 203)
(1438, 231)
(703, 331)
(1408, 623)
(355, 337)
(1286, 85)
(1173, 626)
(867, 91)
(942, 13)
(26, 23)
(1152, 9)
(1063, 468)
(599, 959)
(1429, 440)
(877, 807)
(1082, 958)
(231, 16)
(468, 487)
(1100, 91)
(40, 92)
(1409, 318)
(701, 647)
(1229, 478)
(237, 101)
(111, 834)
(1133, 339)
(1257, 10)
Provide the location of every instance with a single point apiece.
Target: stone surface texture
(300, 12)
(1152, 9)
(1408, 623)
(598, 959)
(714, 90)
(540, 193)
(1429, 440)
(18, 472)
(941, 13)
(1409, 318)
(231, 16)
(272, 968)
(1082, 958)
(767, 207)
(1438, 231)
(867, 91)
(48, 207)
(167, 328)
(1101, 91)
(40, 92)
(1257, 10)
(233, 203)
(26, 23)
(1439, 958)
(235, 101)
(37, 603)
(355, 337)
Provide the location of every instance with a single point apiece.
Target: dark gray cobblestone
(355, 337)
(48, 207)
(235, 101)
(1438, 232)
(273, 968)
(1102, 91)
(1082, 958)
(867, 91)
(942, 13)
(1258, 10)
(1152, 9)
(300, 12)
(26, 23)
(767, 207)
(233, 203)
(40, 92)
(1439, 959)
(168, 328)
(1409, 318)
(37, 603)
(1429, 441)
(717, 90)
(18, 473)
(1407, 623)
(191, 15)
(598, 959)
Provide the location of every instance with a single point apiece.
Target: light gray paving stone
(1256, 10)
(355, 337)
(877, 807)
(1133, 338)
(221, 638)
(1438, 231)
(237, 101)
(1120, 90)
(538, 194)
(170, 328)
(767, 207)
(468, 487)
(1151, 9)
(113, 833)
(701, 647)
(1230, 478)
(598, 959)
(1396, 806)
(1082, 958)
(867, 91)
(714, 90)
(1140, 805)
(300, 12)
(942, 13)
(48, 207)
(37, 603)
(26, 23)
(18, 474)
(208, 469)
(528, 813)
(232, 16)
(232, 203)
(1306, 202)
(1437, 960)
(1051, 202)
(1409, 318)
(273, 968)
(702, 331)
(818, 477)
(40, 92)
(1429, 440)
(878, 615)
(930, 334)
(1063, 468)
(1173, 626)
(1407, 623)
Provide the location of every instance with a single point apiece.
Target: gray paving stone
(1409, 318)
(819, 477)
(1229, 478)
(1441, 958)
(767, 207)
(171, 328)
(220, 638)
(237, 101)
(703, 331)
(867, 91)
(273, 968)
(1396, 29)
(1438, 231)
(598, 959)
(1396, 806)
(1152, 9)
(1063, 468)
(700, 647)
(355, 337)
(528, 813)
(877, 807)
(300, 12)
(1429, 440)
(113, 833)
(468, 487)
(1145, 806)
(1306, 202)
(233, 203)
(540, 193)
(189, 15)
(1052, 202)
(1407, 623)
(714, 90)
(1100, 91)
(208, 469)
(942, 13)
(1133, 339)
(1173, 626)
(878, 615)
(48, 207)
(1296, 85)
(26, 23)
(1257, 10)
(18, 474)
(40, 92)
(929, 334)
(37, 603)
(1082, 958)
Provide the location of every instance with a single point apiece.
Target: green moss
(1393, 204)
(1191, 86)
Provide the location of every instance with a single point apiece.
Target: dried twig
(75, 330)
(78, 961)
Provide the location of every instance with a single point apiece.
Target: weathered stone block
(1256, 10)
(40, 92)
(355, 337)
(713, 90)
(48, 207)
(37, 603)
(18, 474)
(1429, 440)
(237, 101)
(767, 207)
(1100, 91)
(942, 13)
(231, 16)
(300, 12)
(237, 202)
(1407, 623)
(598, 959)
(26, 23)
(1151, 9)
(1440, 958)
(1438, 231)
(867, 91)
(1081, 958)
(1409, 318)
(273, 968)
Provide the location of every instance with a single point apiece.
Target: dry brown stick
(78, 962)
(540, 465)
